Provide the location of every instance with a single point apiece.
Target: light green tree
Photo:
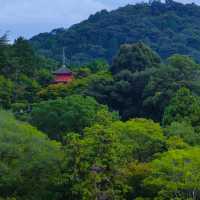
(175, 175)
(184, 106)
(29, 162)
(102, 164)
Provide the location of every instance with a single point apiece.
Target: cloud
(23, 10)
(27, 17)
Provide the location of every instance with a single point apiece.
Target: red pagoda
(63, 75)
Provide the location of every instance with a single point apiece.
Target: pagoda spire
(64, 58)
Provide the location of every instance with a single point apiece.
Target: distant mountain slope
(168, 28)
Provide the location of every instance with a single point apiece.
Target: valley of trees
(169, 28)
(130, 130)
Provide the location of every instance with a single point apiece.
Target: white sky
(29, 17)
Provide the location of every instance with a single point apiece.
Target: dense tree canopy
(184, 130)
(183, 107)
(6, 92)
(72, 114)
(136, 57)
(29, 162)
(175, 175)
(98, 164)
(181, 71)
(146, 93)
(22, 72)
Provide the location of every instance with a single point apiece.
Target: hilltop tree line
(169, 28)
(120, 132)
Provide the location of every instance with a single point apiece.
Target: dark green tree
(181, 71)
(123, 93)
(135, 57)
(6, 92)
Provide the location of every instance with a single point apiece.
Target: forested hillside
(121, 132)
(168, 28)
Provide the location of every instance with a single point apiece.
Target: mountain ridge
(168, 28)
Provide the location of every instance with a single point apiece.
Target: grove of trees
(121, 132)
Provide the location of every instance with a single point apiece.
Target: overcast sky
(30, 17)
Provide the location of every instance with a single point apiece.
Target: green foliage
(78, 86)
(44, 76)
(168, 28)
(185, 131)
(26, 61)
(54, 91)
(183, 107)
(24, 71)
(102, 163)
(181, 71)
(21, 110)
(74, 113)
(98, 65)
(176, 142)
(95, 169)
(26, 89)
(123, 93)
(134, 174)
(82, 72)
(141, 93)
(136, 57)
(142, 137)
(6, 92)
(29, 162)
(175, 175)
(25, 54)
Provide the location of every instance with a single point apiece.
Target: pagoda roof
(63, 70)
